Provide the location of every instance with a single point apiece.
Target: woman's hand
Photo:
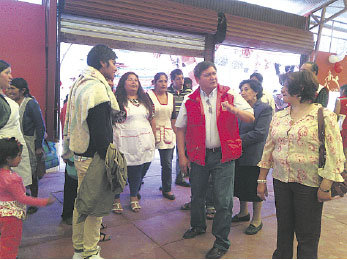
(324, 190)
(323, 196)
(262, 191)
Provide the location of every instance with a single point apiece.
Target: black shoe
(236, 218)
(186, 206)
(168, 196)
(215, 253)
(182, 183)
(252, 230)
(193, 232)
(32, 210)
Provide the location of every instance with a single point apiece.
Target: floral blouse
(291, 148)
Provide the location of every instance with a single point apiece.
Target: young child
(13, 198)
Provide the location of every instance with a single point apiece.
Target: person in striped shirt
(176, 88)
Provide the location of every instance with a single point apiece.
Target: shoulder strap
(321, 137)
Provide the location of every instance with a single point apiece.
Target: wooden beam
(321, 25)
(323, 21)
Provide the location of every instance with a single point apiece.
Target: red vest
(227, 126)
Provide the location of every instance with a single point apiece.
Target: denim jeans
(222, 175)
(166, 156)
(297, 210)
(135, 176)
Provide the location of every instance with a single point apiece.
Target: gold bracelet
(324, 190)
(262, 181)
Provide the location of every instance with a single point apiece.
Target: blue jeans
(222, 175)
(135, 176)
(166, 156)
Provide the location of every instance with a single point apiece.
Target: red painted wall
(327, 75)
(22, 44)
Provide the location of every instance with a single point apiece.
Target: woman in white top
(11, 126)
(165, 133)
(134, 136)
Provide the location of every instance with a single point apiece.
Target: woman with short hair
(292, 150)
(253, 136)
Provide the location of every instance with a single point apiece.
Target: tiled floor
(156, 231)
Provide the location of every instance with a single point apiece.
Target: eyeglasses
(209, 106)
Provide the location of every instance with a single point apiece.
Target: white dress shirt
(209, 103)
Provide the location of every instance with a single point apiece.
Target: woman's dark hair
(3, 65)
(201, 66)
(344, 89)
(255, 86)
(99, 53)
(158, 75)
(314, 67)
(9, 147)
(258, 76)
(304, 84)
(21, 84)
(122, 96)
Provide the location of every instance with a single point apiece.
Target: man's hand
(184, 164)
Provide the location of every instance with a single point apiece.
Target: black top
(100, 130)
(32, 121)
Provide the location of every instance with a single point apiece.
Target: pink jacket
(12, 189)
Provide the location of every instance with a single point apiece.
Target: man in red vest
(207, 124)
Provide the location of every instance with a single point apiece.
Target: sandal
(135, 206)
(210, 211)
(104, 237)
(117, 208)
(103, 226)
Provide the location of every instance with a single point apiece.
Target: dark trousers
(297, 210)
(166, 156)
(70, 193)
(135, 176)
(222, 175)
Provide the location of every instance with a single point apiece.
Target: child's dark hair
(9, 147)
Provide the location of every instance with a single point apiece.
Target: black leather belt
(213, 150)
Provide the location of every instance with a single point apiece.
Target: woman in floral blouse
(291, 150)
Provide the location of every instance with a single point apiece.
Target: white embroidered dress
(12, 129)
(134, 137)
(164, 135)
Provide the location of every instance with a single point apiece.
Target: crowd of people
(226, 142)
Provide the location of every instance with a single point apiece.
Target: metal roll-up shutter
(153, 13)
(75, 29)
(245, 32)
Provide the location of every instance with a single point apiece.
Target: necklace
(134, 101)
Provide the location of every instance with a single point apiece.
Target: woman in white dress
(134, 136)
(165, 138)
(10, 126)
